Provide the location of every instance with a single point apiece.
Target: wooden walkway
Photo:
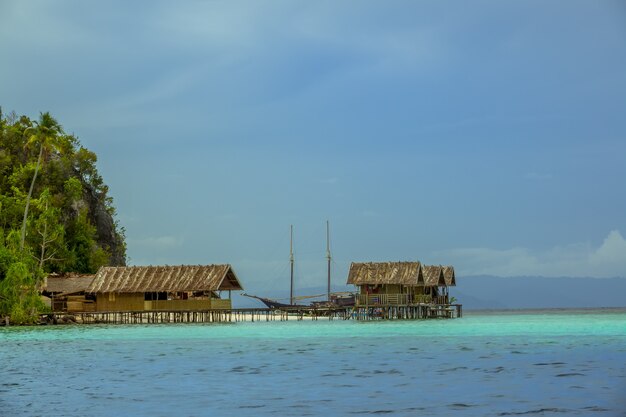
(408, 312)
(257, 315)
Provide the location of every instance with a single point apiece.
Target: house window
(153, 296)
(111, 296)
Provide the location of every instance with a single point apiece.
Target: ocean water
(566, 363)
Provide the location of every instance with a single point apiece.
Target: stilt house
(400, 283)
(387, 283)
(448, 274)
(68, 292)
(171, 288)
(435, 283)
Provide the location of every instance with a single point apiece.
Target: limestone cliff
(108, 236)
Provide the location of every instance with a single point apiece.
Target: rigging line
(296, 276)
(304, 297)
(301, 297)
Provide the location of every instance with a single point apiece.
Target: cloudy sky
(490, 135)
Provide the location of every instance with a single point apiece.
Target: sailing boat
(277, 304)
(339, 299)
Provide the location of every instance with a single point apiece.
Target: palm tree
(45, 133)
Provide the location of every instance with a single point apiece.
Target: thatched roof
(433, 275)
(68, 284)
(164, 278)
(448, 274)
(403, 273)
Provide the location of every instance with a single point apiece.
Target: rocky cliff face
(106, 229)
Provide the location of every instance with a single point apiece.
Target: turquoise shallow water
(535, 363)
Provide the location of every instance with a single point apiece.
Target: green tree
(45, 134)
(85, 256)
(55, 212)
(19, 298)
(50, 231)
(19, 295)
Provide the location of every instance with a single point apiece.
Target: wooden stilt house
(450, 278)
(388, 283)
(166, 288)
(435, 283)
(438, 281)
(448, 274)
(69, 292)
(401, 283)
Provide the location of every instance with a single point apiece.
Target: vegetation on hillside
(55, 212)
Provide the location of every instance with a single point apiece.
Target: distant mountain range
(491, 292)
(486, 292)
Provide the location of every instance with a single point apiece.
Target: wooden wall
(387, 289)
(135, 302)
(73, 303)
(178, 305)
(221, 304)
(189, 305)
(397, 289)
(120, 302)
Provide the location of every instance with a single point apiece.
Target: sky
(489, 135)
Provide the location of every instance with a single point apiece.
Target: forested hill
(69, 197)
(55, 211)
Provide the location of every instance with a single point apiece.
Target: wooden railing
(392, 299)
(442, 299)
(422, 299)
(382, 299)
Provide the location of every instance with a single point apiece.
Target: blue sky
(486, 134)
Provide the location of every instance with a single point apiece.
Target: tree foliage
(45, 135)
(55, 212)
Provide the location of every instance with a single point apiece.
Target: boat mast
(328, 257)
(291, 260)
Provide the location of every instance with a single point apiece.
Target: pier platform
(256, 315)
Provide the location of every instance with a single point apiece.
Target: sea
(498, 363)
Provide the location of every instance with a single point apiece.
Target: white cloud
(576, 260)
(610, 258)
(233, 33)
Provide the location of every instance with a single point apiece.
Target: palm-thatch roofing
(433, 275)
(372, 273)
(135, 279)
(68, 284)
(448, 274)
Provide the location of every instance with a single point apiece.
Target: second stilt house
(400, 283)
(68, 292)
(170, 288)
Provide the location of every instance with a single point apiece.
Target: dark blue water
(482, 365)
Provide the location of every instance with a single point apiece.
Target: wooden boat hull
(272, 303)
(343, 300)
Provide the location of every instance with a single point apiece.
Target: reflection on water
(500, 365)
